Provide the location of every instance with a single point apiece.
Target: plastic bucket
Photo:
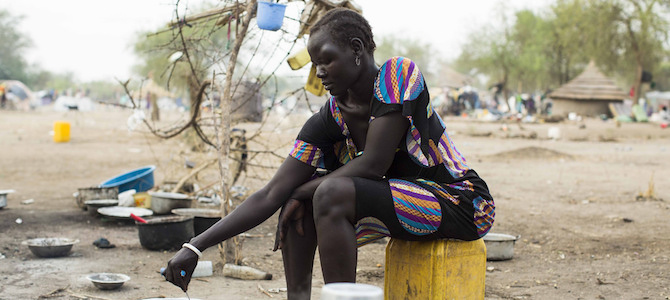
(140, 180)
(270, 16)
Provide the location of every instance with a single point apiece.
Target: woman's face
(335, 65)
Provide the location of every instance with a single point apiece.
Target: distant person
(375, 161)
(3, 97)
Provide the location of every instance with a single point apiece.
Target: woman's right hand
(293, 210)
(184, 260)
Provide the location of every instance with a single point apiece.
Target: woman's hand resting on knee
(292, 211)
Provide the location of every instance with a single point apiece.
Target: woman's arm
(259, 206)
(383, 137)
(253, 211)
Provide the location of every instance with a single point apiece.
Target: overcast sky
(93, 38)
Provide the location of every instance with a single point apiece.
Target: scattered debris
(28, 201)
(277, 290)
(54, 293)
(264, 291)
(245, 273)
(19, 221)
(103, 243)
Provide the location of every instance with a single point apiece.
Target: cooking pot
(499, 246)
(162, 202)
(165, 232)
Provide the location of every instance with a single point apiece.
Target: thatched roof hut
(588, 94)
(452, 79)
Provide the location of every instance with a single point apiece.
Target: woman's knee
(335, 196)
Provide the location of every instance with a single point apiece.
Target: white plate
(124, 212)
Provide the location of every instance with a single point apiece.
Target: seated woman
(390, 168)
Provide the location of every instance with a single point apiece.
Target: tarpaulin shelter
(18, 95)
(588, 94)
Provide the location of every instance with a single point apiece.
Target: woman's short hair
(344, 24)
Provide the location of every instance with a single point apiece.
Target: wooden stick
(193, 173)
(264, 291)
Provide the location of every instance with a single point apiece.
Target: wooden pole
(224, 150)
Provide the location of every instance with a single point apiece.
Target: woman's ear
(358, 46)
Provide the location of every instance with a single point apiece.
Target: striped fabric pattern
(307, 153)
(417, 209)
(464, 185)
(347, 151)
(440, 190)
(401, 81)
(485, 212)
(454, 161)
(370, 229)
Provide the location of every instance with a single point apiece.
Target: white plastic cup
(351, 291)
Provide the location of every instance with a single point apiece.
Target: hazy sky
(93, 38)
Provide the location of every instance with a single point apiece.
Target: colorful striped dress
(429, 191)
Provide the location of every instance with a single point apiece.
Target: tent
(18, 95)
(588, 94)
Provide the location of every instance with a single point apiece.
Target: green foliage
(540, 51)
(12, 46)
(198, 47)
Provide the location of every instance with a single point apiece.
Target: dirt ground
(584, 232)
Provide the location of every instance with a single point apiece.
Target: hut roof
(590, 85)
(453, 79)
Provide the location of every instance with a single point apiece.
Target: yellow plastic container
(142, 199)
(61, 131)
(299, 60)
(435, 270)
(314, 84)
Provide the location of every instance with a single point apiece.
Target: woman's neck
(361, 92)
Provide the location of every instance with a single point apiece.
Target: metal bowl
(162, 202)
(499, 246)
(108, 281)
(50, 247)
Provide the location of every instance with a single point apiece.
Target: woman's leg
(334, 215)
(298, 255)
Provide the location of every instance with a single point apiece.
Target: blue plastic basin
(141, 180)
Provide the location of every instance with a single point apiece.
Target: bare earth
(573, 202)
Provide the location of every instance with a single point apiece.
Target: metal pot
(165, 232)
(499, 246)
(204, 218)
(95, 193)
(163, 203)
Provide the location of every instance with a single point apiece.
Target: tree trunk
(233, 244)
(637, 85)
(155, 113)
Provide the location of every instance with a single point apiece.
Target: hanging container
(270, 16)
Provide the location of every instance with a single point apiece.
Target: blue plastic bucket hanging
(270, 16)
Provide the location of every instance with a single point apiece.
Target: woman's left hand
(184, 261)
(293, 210)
